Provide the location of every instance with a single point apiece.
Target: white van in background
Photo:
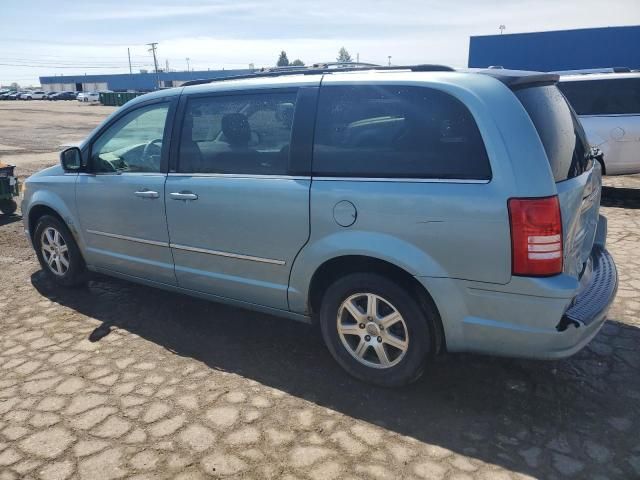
(608, 105)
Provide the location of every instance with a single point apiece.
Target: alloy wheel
(372, 330)
(55, 251)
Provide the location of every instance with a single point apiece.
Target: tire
(413, 331)
(8, 207)
(75, 273)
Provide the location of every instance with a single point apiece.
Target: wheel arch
(36, 212)
(338, 267)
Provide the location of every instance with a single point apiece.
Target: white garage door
(94, 87)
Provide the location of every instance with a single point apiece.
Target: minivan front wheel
(58, 253)
(375, 330)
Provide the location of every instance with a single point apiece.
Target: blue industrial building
(146, 81)
(559, 50)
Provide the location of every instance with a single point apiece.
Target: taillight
(536, 236)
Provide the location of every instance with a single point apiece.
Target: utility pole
(129, 55)
(389, 57)
(188, 68)
(153, 46)
(166, 62)
(357, 57)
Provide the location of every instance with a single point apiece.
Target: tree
(297, 63)
(283, 61)
(343, 56)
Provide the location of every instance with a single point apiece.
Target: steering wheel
(147, 155)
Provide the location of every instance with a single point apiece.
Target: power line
(55, 67)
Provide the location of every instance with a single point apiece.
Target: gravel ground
(117, 380)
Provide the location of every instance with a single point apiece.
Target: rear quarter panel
(618, 137)
(432, 228)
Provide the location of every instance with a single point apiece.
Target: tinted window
(244, 134)
(396, 131)
(560, 132)
(603, 97)
(133, 143)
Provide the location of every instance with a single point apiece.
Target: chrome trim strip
(130, 239)
(227, 254)
(240, 175)
(118, 174)
(403, 180)
(326, 179)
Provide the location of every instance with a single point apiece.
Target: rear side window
(237, 134)
(396, 131)
(560, 132)
(603, 97)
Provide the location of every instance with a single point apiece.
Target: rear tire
(8, 207)
(386, 345)
(58, 253)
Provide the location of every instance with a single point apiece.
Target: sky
(72, 37)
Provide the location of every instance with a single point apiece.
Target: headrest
(284, 113)
(235, 127)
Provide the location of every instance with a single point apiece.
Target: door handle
(183, 196)
(147, 194)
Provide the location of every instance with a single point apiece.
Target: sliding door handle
(183, 196)
(147, 194)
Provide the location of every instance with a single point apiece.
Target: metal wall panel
(559, 50)
(139, 81)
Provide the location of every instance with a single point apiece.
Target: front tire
(376, 330)
(8, 207)
(58, 252)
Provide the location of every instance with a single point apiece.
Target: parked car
(407, 210)
(608, 106)
(91, 97)
(35, 95)
(67, 95)
(7, 94)
(14, 96)
(49, 95)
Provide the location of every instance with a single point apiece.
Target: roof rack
(320, 69)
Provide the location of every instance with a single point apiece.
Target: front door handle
(183, 196)
(147, 194)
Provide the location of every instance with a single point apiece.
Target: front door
(121, 198)
(237, 216)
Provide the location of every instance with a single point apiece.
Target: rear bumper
(555, 322)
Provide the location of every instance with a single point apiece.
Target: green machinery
(9, 189)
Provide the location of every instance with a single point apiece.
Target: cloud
(232, 34)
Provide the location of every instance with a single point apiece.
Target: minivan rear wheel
(375, 330)
(58, 253)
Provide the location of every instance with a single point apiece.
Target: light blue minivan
(408, 210)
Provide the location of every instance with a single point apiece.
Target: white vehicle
(92, 97)
(608, 105)
(35, 95)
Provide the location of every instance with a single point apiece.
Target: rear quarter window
(559, 130)
(396, 132)
(603, 97)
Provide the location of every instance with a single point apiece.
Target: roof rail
(320, 70)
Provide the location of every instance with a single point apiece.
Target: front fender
(368, 244)
(61, 200)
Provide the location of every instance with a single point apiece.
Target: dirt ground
(117, 380)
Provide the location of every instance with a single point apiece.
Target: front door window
(133, 143)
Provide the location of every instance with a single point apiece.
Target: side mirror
(71, 159)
